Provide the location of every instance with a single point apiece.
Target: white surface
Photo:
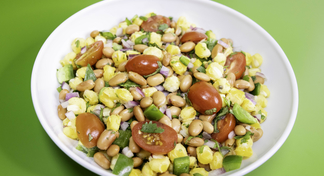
(223, 21)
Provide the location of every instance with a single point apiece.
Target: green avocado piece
(257, 89)
(181, 165)
(232, 162)
(65, 73)
(242, 115)
(153, 113)
(123, 166)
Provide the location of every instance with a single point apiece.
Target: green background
(26, 149)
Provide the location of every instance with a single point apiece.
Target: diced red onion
(96, 112)
(140, 91)
(159, 88)
(217, 172)
(197, 29)
(64, 104)
(192, 60)
(119, 32)
(260, 74)
(65, 86)
(210, 144)
(167, 44)
(225, 45)
(83, 50)
(99, 106)
(168, 113)
(125, 49)
(116, 87)
(231, 135)
(250, 97)
(258, 117)
(164, 71)
(131, 56)
(125, 44)
(126, 151)
(131, 104)
(71, 95)
(163, 109)
(125, 37)
(206, 135)
(124, 125)
(241, 90)
(224, 151)
(144, 40)
(70, 115)
(130, 42)
(109, 43)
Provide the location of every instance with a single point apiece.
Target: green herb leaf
(210, 111)
(210, 43)
(107, 84)
(245, 138)
(188, 139)
(263, 117)
(116, 47)
(253, 78)
(156, 71)
(197, 174)
(243, 53)
(108, 35)
(59, 89)
(226, 148)
(128, 21)
(222, 111)
(77, 43)
(184, 60)
(201, 69)
(155, 45)
(139, 39)
(163, 27)
(143, 18)
(246, 78)
(151, 128)
(175, 116)
(130, 110)
(153, 14)
(201, 149)
(128, 84)
(188, 100)
(90, 137)
(89, 74)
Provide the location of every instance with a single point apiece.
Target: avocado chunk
(242, 115)
(257, 89)
(181, 165)
(65, 73)
(232, 162)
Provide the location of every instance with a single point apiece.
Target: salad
(159, 96)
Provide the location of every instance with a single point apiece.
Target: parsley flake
(90, 137)
(163, 27)
(151, 128)
(245, 138)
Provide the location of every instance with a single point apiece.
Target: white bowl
(225, 22)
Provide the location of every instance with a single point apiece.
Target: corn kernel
(89, 41)
(264, 91)
(217, 161)
(147, 171)
(148, 92)
(119, 57)
(261, 100)
(77, 44)
(187, 114)
(159, 165)
(248, 58)
(77, 105)
(253, 71)
(81, 72)
(173, 50)
(197, 63)
(124, 95)
(178, 151)
(222, 85)
(244, 149)
(91, 97)
(171, 83)
(70, 132)
(68, 59)
(177, 66)
(204, 154)
(135, 35)
(215, 71)
(135, 172)
(101, 38)
(109, 72)
(248, 105)
(113, 122)
(153, 51)
(220, 59)
(257, 60)
(236, 96)
(202, 51)
(200, 171)
(155, 38)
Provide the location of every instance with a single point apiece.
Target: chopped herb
(245, 138)
(163, 27)
(108, 35)
(90, 137)
(101, 114)
(128, 21)
(188, 139)
(107, 84)
(175, 116)
(153, 14)
(130, 110)
(206, 140)
(253, 78)
(210, 43)
(210, 111)
(151, 128)
(156, 71)
(59, 89)
(77, 43)
(139, 39)
(263, 117)
(197, 174)
(174, 143)
(201, 149)
(116, 47)
(247, 67)
(128, 84)
(143, 18)
(117, 105)
(246, 78)
(243, 53)
(226, 148)
(89, 74)
(201, 69)
(188, 100)
(155, 45)
(171, 18)
(222, 111)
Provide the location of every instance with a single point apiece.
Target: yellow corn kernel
(89, 41)
(109, 72)
(149, 14)
(257, 60)
(244, 149)
(91, 108)
(215, 71)
(77, 105)
(201, 50)
(135, 172)
(222, 85)
(264, 91)
(248, 58)
(256, 125)
(223, 99)
(177, 66)
(91, 97)
(138, 21)
(148, 92)
(193, 162)
(228, 51)
(253, 71)
(123, 25)
(70, 132)
(75, 82)
(132, 52)
(135, 35)
(81, 72)
(169, 30)
(187, 114)
(197, 63)
(178, 151)
(113, 30)
(66, 122)
(68, 59)
(155, 38)
(153, 51)
(113, 122)
(204, 154)
(261, 100)
(236, 96)
(100, 38)
(107, 96)
(119, 57)
(173, 50)
(124, 95)
(77, 44)
(200, 171)
(217, 161)
(220, 59)
(248, 105)
(159, 165)
(147, 171)
(184, 24)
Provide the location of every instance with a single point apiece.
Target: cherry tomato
(152, 24)
(225, 126)
(89, 128)
(236, 64)
(143, 64)
(204, 96)
(193, 36)
(167, 138)
(91, 56)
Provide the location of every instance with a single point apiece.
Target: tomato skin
(236, 64)
(143, 64)
(225, 126)
(204, 96)
(87, 123)
(91, 56)
(168, 138)
(193, 36)
(152, 24)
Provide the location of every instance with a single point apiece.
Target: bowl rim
(243, 171)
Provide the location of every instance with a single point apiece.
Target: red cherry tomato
(143, 64)
(91, 56)
(152, 24)
(89, 128)
(193, 36)
(236, 64)
(225, 126)
(204, 96)
(167, 138)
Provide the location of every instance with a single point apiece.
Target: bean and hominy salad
(159, 96)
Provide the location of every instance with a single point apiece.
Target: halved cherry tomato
(152, 24)
(193, 36)
(204, 96)
(143, 64)
(167, 138)
(91, 56)
(225, 126)
(236, 64)
(89, 128)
